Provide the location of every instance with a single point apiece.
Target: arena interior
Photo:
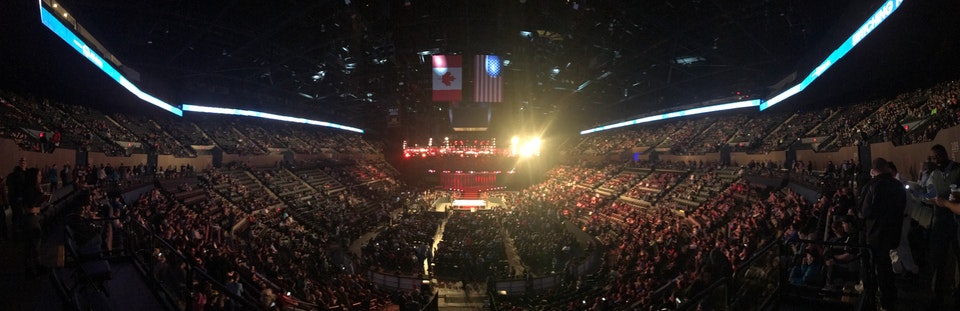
(479, 155)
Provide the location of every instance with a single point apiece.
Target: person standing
(16, 184)
(66, 175)
(882, 204)
(33, 232)
(905, 264)
(943, 231)
(52, 176)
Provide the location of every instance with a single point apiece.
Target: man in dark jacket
(882, 204)
(16, 185)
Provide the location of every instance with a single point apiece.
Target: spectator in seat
(810, 270)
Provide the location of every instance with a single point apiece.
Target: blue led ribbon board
(55, 25)
(878, 17)
(683, 113)
(865, 29)
(265, 115)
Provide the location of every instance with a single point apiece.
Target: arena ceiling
(352, 60)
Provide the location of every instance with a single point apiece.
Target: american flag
(488, 87)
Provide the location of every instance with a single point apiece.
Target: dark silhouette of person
(33, 232)
(882, 204)
(16, 184)
(944, 245)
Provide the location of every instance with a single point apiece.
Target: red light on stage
(406, 155)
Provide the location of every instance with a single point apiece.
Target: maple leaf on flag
(447, 78)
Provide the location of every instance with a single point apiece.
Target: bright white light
(469, 203)
(782, 96)
(530, 148)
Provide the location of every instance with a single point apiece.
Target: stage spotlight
(530, 148)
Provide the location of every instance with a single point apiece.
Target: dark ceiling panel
(356, 58)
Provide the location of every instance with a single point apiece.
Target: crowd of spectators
(122, 135)
(61, 127)
(623, 139)
(945, 112)
(795, 128)
(345, 214)
(658, 255)
(752, 133)
(592, 177)
(654, 185)
(297, 242)
(541, 240)
(237, 187)
(152, 136)
(840, 126)
(229, 139)
(405, 244)
(714, 137)
(622, 182)
(472, 247)
(908, 118)
(184, 131)
(687, 131)
(238, 234)
(697, 185)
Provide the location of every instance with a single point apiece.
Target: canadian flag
(447, 78)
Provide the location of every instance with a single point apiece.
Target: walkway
(511, 251)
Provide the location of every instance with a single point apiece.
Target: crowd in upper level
(908, 118)
(42, 125)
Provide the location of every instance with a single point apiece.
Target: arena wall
(821, 159)
(101, 158)
(10, 154)
(199, 163)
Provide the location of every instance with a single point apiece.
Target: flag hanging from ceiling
(447, 78)
(488, 79)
